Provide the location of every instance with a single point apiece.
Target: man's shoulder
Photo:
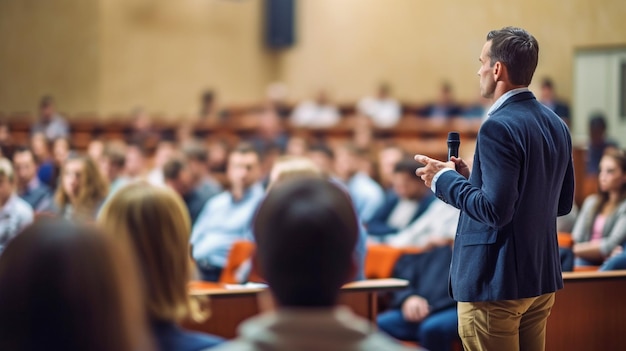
(362, 181)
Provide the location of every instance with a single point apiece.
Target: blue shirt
(221, 222)
(366, 194)
(15, 215)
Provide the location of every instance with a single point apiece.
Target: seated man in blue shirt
(408, 199)
(366, 194)
(226, 217)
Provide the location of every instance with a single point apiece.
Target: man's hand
(431, 167)
(415, 309)
(461, 166)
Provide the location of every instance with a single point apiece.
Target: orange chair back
(565, 239)
(239, 253)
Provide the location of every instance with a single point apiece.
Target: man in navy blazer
(505, 268)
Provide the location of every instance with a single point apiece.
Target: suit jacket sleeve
(493, 203)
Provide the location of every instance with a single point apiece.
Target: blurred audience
(95, 149)
(406, 201)
(598, 142)
(7, 145)
(323, 157)
(276, 94)
(298, 145)
(50, 123)
(548, 97)
(147, 217)
(218, 155)
(61, 148)
(424, 311)
(367, 195)
(178, 176)
(113, 165)
(15, 213)
(136, 159)
(226, 217)
(197, 156)
(164, 151)
(382, 109)
(81, 191)
(601, 223)
(71, 288)
(293, 167)
(270, 130)
(47, 171)
(37, 194)
(317, 113)
(388, 156)
(142, 130)
(445, 106)
(208, 106)
(305, 231)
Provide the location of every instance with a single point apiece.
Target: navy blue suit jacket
(522, 179)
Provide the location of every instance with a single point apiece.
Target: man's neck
(239, 192)
(503, 87)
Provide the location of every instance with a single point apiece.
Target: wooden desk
(229, 307)
(589, 313)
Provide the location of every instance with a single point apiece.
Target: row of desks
(589, 313)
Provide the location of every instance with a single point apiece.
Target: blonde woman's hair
(287, 167)
(6, 169)
(155, 224)
(93, 188)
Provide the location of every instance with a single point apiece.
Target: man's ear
(497, 71)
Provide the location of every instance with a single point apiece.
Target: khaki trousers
(507, 325)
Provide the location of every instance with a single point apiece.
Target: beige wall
(111, 55)
(48, 47)
(162, 54)
(350, 45)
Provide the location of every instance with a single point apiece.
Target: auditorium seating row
(85, 127)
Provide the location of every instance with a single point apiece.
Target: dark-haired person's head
(68, 287)
(322, 156)
(197, 155)
(177, 175)
(547, 90)
(517, 50)
(348, 160)
(25, 166)
(46, 108)
(597, 128)
(306, 231)
(405, 183)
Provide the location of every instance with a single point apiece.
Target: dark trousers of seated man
(211, 274)
(436, 332)
(427, 274)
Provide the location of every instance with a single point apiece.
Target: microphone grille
(453, 136)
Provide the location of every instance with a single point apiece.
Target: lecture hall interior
(208, 104)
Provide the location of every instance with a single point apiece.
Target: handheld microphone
(453, 144)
